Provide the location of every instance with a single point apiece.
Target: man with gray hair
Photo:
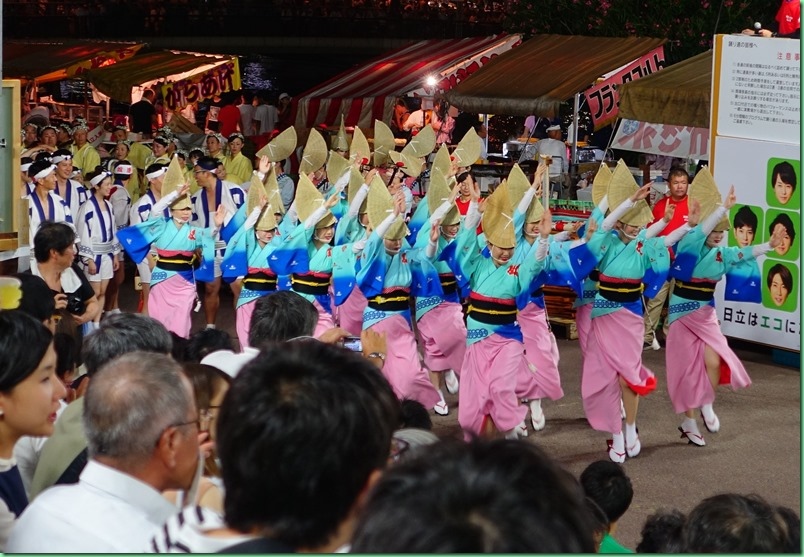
(142, 432)
(64, 454)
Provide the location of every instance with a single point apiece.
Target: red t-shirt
(679, 217)
(228, 118)
(789, 17)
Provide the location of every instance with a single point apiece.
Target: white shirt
(107, 511)
(266, 115)
(556, 149)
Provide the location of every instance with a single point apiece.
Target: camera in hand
(353, 343)
(75, 304)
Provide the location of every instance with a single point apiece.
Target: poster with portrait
(767, 180)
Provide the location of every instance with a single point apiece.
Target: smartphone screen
(353, 343)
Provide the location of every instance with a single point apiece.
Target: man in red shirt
(679, 182)
(229, 116)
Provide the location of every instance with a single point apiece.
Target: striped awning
(369, 91)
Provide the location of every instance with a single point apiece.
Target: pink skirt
(614, 350)
(443, 335)
(402, 367)
(541, 350)
(488, 384)
(243, 321)
(325, 321)
(350, 313)
(171, 302)
(687, 382)
(583, 322)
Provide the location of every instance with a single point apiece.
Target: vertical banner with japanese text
(205, 85)
(756, 147)
(603, 98)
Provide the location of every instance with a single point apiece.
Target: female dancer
(701, 358)
(238, 167)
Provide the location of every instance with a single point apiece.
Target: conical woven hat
(383, 142)
(600, 185)
(535, 211)
(704, 190)
(468, 150)
(622, 187)
(174, 180)
(337, 166)
(272, 189)
(280, 147)
(341, 141)
(438, 193)
(315, 153)
(441, 162)
(518, 185)
(359, 150)
(267, 220)
(356, 182)
(421, 144)
(410, 165)
(308, 199)
(380, 205)
(498, 221)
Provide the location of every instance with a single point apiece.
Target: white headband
(126, 169)
(56, 159)
(156, 173)
(100, 178)
(45, 172)
(26, 166)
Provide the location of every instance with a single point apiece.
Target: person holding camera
(54, 250)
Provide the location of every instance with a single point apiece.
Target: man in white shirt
(265, 116)
(246, 113)
(142, 430)
(553, 147)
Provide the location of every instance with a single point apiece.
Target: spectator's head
(732, 523)
(160, 146)
(281, 316)
(780, 284)
(209, 387)
(31, 134)
(149, 94)
(607, 485)
(789, 235)
(214, 143)
(661, 532)
(678, 183)
(599, 521)
(783, 182)
(406, 443)
(793, 523)
(486, 496)
(48, 136)
(415, 415)
(745, 226)
(302, 433)
(55, 242)
(37, 299)
(122, 333)
(66, 357)
(140, 418)
(155, 173)
(205, 342)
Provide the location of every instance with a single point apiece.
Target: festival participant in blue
(698, 355)
(338, 172)
(248, 255)
(389, 276)
(178, 265)
(44, 203)
(307, 254)
(98, 238)
(213, 195)
(495, 355)
(626, 258)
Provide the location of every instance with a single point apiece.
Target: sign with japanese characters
(603, 98)
(757, 83)
(220, 79)
(660, 139)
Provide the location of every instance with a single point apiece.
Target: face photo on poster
(789, 249)
(783, 180)
(746, 225)
(780, 285)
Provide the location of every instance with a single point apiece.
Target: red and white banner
(660, 139)
(603, 98)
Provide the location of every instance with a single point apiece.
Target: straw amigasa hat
(437, 194)
(337, 166)
(468, 150)
(359, 150)
(411, 165)
(308, 199)
(315, 153)
(498, 218)
(380, 205)
(441, 162)
(340, 142)
(383, 142)
(518, 185)
(600, 185)
(423, 143)
(356, 182)
(272, 191)
(704, 190)
(256, 192)
(623, 186)
(174, 180)
(280, 147)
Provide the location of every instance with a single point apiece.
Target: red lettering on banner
(670, 138)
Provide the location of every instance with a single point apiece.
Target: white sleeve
(357, 201)
(341, 183)
(614, 216)
(562, 236)
(164, 203)
(604, 204)
(676, 235)
(761, 249)
(711, 221)
(525, 201)
(442, 210)
(542, 249)
(430, 250)
(315, 217)
(253, 217)
(656, 228)
(385, 225)
(472, 218)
